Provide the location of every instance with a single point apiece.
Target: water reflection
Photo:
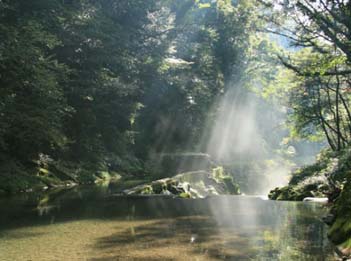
(92, 225)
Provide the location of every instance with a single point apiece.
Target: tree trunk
(338, 113)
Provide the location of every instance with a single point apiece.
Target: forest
(184, 98)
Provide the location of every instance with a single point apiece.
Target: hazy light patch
(235, 131)
(276, 177)
(241, 138)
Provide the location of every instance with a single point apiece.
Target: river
(91, 223)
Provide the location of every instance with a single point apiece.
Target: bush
(14, 178)
(306, 172)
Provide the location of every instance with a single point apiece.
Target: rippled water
(91, 224)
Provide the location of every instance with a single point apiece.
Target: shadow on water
(283, 231)
(162, 228)
(200, 234)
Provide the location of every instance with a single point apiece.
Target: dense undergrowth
(41, 175)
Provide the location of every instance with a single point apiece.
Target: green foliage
(32, 103)
(201, 60)
(86, 177)
(315, 79)
(306, 172)
(69, 85)
(320, 179)
(15, 178)
(218, 173)
(93, 89)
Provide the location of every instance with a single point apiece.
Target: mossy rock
(280, 193)
(159, 186)
(147, 190)
(185, 195)
(43, 172)
(284, 193)
(218, 173)
(230, 185)
(289, 193)
(273, 194)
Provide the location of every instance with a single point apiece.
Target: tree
(207, 45)
(32, 104)
(320, 30)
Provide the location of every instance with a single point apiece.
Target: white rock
(320, 200)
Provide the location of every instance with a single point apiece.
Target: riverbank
(38, 176)
(329, 177)
(188, 175)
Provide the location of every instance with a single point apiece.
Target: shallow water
(91, 224)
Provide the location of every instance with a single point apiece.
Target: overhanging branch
(300, 72)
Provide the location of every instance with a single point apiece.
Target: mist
(246, 140)
(235, 132)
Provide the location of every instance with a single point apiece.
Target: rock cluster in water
(300, 193)
(167, 186)
(194, 184)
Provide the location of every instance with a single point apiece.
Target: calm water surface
(91, 224)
